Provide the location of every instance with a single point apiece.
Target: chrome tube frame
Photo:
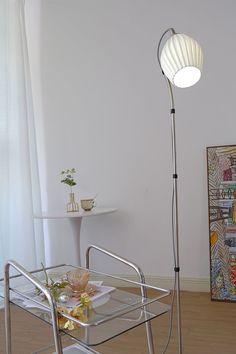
(141, 278)
(45, 291)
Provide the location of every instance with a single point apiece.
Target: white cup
(87, 204)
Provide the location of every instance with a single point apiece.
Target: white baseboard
(186, 284)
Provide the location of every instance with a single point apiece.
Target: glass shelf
(113, 311)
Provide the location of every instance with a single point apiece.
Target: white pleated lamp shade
(181, 60)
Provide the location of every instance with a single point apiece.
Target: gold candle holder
(72, 206)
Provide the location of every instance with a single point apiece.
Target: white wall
(106, 113)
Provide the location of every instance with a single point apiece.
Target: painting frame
(221, 177)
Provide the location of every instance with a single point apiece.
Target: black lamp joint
(175, 175)
(172, 110)
(177, 269)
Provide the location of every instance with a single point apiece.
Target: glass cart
(112, 311)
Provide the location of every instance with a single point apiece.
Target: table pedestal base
(76, 226)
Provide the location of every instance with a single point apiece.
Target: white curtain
(21, 238)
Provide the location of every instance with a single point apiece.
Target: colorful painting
(221, 164)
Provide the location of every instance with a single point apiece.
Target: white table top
(81, 214)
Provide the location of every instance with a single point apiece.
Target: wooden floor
(208, 328)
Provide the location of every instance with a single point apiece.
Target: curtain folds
(21, 238)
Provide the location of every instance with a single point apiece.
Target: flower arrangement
(73, 285)
(78, 312)
(67, 177)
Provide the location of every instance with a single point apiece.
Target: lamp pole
(175, 218)
(181, 61)
(175, 225)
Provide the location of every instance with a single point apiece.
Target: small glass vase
(72, 205)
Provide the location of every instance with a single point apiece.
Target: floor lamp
(180, 60)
